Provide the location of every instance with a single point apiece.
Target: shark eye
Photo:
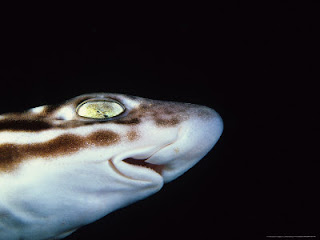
(100, 109)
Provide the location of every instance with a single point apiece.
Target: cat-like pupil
(105, 115)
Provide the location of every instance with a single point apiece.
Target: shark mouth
(142, 163)
(148, 164)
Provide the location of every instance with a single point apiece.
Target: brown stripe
(127, 121)
(24, 124)
(37, 125)
(12, 154)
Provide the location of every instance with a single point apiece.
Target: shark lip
(142, 163)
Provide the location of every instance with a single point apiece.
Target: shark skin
(67, 165)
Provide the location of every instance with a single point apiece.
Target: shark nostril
(142, 163)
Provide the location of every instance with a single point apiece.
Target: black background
(255, 65)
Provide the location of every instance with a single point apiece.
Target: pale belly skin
(67, 165)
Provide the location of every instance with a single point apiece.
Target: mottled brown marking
(167, 122)
(169, 111)
(162, 113)
(102, 138)
(145, 106)
(12, 154)
(132, 135)
(204, 112)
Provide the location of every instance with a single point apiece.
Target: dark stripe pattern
(12, 154)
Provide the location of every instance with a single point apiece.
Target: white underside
(48, 198)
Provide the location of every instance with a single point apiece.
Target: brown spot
(12, 154)
(132, 135)
(103, 138)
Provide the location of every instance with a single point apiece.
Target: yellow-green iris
(99, 109)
